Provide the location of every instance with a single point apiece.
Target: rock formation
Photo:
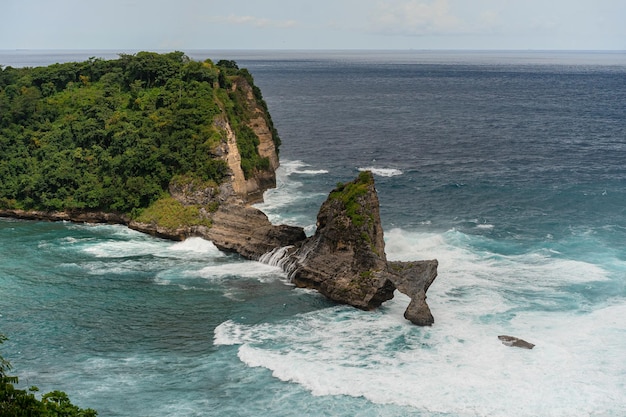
(248, 232)
(345, 259)
(413, 279)
(515, 342)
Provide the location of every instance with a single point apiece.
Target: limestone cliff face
(259, 122)
(250, 189)
(230, 153)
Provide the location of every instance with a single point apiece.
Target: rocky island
(177, 148)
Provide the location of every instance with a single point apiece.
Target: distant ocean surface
(507, 167)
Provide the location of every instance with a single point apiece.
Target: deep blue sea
(507, 167)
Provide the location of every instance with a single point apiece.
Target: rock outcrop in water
(515, 342)
(248, 232)
(413, 279)
(345, 259)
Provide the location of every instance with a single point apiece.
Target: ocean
(507, 167)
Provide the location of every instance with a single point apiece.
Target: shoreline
(99, 217)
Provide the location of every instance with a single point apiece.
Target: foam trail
(383, 172)
(246, 269)
(459, 367)
(124, 249)
(275, 257)
(288, 194)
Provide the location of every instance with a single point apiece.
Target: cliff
(112, 135)
(255, 116)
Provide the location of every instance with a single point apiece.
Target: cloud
(415, 18)
(257, 22)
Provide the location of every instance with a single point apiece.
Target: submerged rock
(514, 341)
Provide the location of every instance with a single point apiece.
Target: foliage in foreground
(21, 403)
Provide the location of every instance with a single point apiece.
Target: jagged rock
(414, 279)
(247, 231)
(73, 216)
(345, 259)
(514, 341)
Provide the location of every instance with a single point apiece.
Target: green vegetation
(110, 135)
(170, 213)
(349, 194)
(22, 403)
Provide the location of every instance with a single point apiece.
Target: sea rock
(414, 279)
(516, 342)
(345, 258)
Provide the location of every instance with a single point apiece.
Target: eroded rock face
(414, 279)
(345, 259)
(248, 232)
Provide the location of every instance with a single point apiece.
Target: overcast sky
(319, 24)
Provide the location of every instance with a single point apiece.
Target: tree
(21, 403)
(110, 135)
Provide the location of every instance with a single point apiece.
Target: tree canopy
(109, 135)
(16, 402)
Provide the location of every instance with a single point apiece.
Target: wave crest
(382, 172)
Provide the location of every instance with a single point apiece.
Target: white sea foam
(196, 246)
(123, 248)
(296, 167)
(458, 366)
(121, 266)
(244, 269)
(382, 172)
(287, 193)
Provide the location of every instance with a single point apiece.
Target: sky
(320, 24)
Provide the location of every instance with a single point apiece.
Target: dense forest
(110, 135)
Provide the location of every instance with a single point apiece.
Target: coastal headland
(176, 179)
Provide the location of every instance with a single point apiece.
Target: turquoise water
(509, 169)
